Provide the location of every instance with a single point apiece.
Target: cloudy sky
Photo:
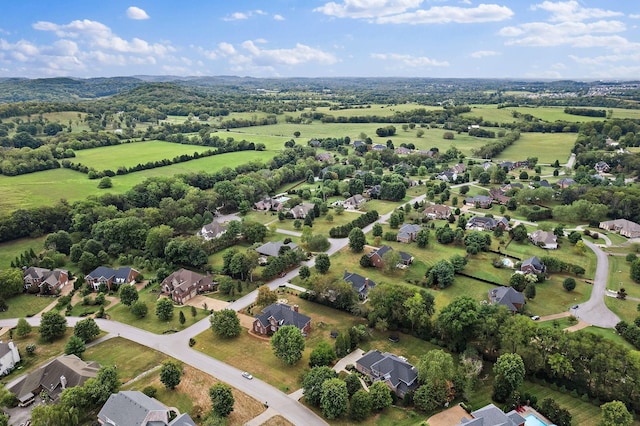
(578, 39)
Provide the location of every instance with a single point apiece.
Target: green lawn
(151, 323)
(627, 310)
(619, 276)
(9, 251)
(25, 305)
(548, 147)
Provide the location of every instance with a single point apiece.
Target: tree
(353, 383)
(265, 296)
(164, 309)
(221, 399)
(86, 329)
(519, 233)
(458, 320)
(52, 326)
(635, 270)
(569, 284)
(357, 240)
(157, 240)
(343, 344)
(518, 282)
(441, 274)
(422, 238)
(323, 354)
(334, 399)
(225, 323)
(304, 272)
(182, 318)
(170, 374)
(323, 263)
(288, 344)
(615, 413)
(139, 309)
(105, 183)
(11, 282)
(360, 407)
(59, 241)
(128, 294)
(74, 346)
(390, 260)
(105, 383)
(377, 230)
(509, 373)
(312, 383)
(530, 291)
(23, 328)
(380, 396)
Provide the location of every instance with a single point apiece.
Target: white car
(247, 375)
(535, 317)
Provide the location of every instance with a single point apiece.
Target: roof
(355, 199)
(381, 251)
(533, 261)
(4, 349)
(387, 366)
(478, 199)
(359, 283)
(132, 408)
(214, 228)
(541, 236)
(624, 225)
(273, 248)
(407, 229)
(284, 315)
(406, 257)
(301, 210)
(482, 221)
(74, 370)
(490, 415)
(438, 209)
(118, 275)
(182, 280)
(506, 296)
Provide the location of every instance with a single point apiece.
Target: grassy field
(48, 187)
(627, 310)
(548, 147)
(9, 251)
(546, 113)
(619, 276)
(25, 305)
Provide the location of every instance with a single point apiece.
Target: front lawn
(25, 305)
(552, 298)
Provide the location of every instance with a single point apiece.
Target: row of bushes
(362, 221)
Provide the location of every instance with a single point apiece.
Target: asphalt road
(594, 311)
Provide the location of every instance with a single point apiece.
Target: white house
(9, 357)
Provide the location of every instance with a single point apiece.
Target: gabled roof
(478, 199)
(407, 229)
(506, 296)
(301, 210)
(214, 228)
(482, 221)
(406, 257)
(133, 408)
(387, 366)
(533, 261)
(273, 248)
(438, 209)
(540, 236)
(183, 280)
(284, 315)
(356, 199)
(491, 415)
(359, 283)
(120, 274)
(380, 251)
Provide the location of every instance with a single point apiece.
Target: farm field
(48, 187)
(548, 147)
(8, 251)
(546, 113)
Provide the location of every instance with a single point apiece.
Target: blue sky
(575, 39)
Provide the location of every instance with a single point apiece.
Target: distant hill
(63, 89)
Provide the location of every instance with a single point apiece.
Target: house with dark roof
(426, 153)
(354, 202)
(509, 165)
(376, 257)
(184, 284)
(46, 280)
(379, 147)
(447, 176)
(277, 315)
(400, 376)
(481, 201)
(490, 415)
(602, 167)
(437, 211)
(539, 184)
(9, 357)
(408, 232)
(269, 203)
(480, 223)
(212, 230)
(498, 195)
(459, 168)
(111, 277)
(129, 408)
(314, 143)
(507, 296)
(324, 157)
(374, 191)
(63, 372)
(532, 265)
(272, 248)
(544, 239)
(566, 182)
(624, 227)
(301, 210)
(360, 284)
(357, 144)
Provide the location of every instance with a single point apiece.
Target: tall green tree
(360, 407)
(457, 321)
(323, 263)
(288, 344)
(441, 274)
(357, 240)
(225, 323)
(222, 400)
(75, 346)
(128, 294)
(86, 329)
(164, 309)
(380, 396)
(334, 399)
(312, 383)
(509, 373)
(52, 326)
(23, 328)
(170, 374)
(615, 413)
(265, 296)
(11, 282)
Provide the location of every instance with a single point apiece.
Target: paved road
(594, 311)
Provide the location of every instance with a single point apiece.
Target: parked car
(535, 317)
(247, 375)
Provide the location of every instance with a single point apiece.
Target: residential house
(324, 157)
(509, 165)
(544, 239)
(400, 376)
(272, 248)
(486, 165)
(46, 280)
(354, 202)
(459, 168)
(566, 182)
(539, 184)
(532, 265)
(507, 296)
(184, 284)
(127, 408)
(405, 260)
(480, 223)
(63, 372)
(447, 176)
(426, 153)
(438, 211)
(602, 167)
(498, 195)
(314, 143)
(374, 191)
(379, 147)
(277, 315)
(624, 227)
(212, 230)
(482, 201)
(376, 255)
(9, 357)
(269, 203)
(357, 144)
(359, 283)
(109, 276)
(611, 142)
(408, 232)
(301, 210)
(512, 185)
(490, 415)
(402, 151)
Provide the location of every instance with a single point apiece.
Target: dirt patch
(579, 326)
(451, 416)
(199, 301)
(277, 421)
(246, 321)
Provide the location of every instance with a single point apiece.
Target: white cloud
(227, 48)
(278, 17)
(484, 53)
(634, 16)
(410, 61)
(241, 16)
(572, 11)
(367, 8)
(136, 13)
(451, 14)
(300, 54)
(604, 59)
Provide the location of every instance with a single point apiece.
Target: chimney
(63, 382)
(296, 308)
(366, 283)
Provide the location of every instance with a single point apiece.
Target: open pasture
(548, 147)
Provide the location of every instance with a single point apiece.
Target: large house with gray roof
(129, 408)
(110, 276)
(277, 315)
(395, 371)
(532, 265)
(507, 296)
(490, 415)
(46, 280)
(624, 227)
(408, 232)
(544, 239)
(212, 230)
(360, 284)
(184, 284)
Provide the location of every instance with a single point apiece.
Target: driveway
(594, 311)
(349, 359)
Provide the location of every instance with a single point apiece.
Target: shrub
(150, 391)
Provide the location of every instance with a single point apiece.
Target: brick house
(277, 315)
(183, 285)
(109, 276)
(407, 233)
(46, 280)
(400, 376)
(438, 211)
